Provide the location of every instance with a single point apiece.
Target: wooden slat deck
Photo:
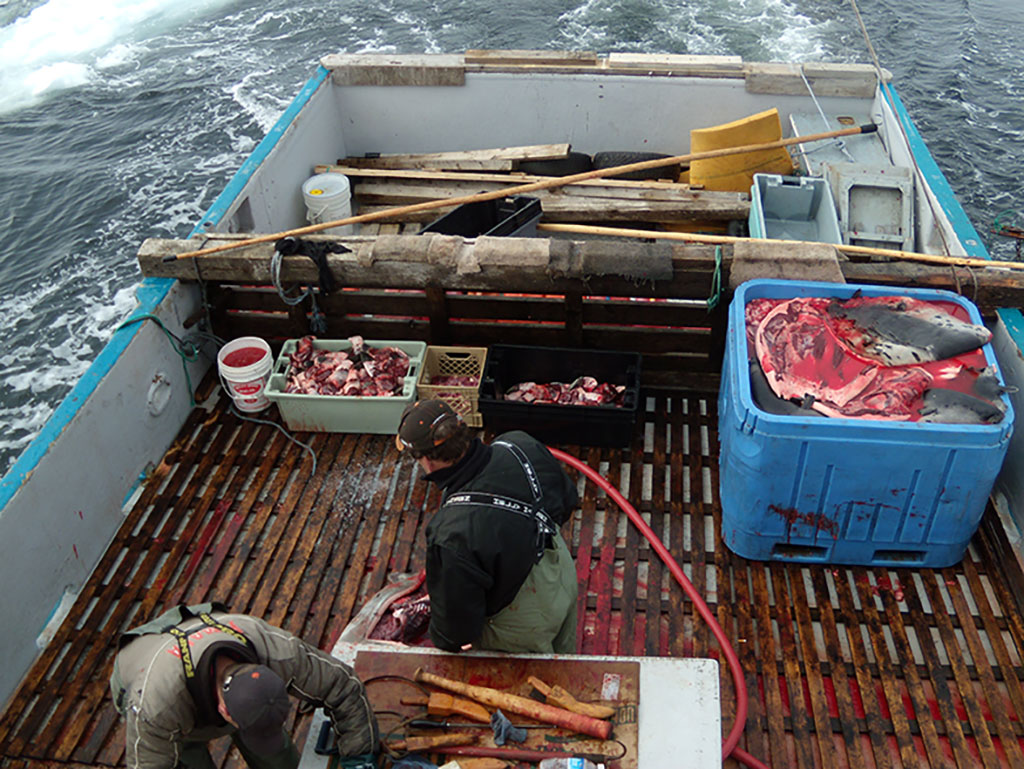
(847, 667)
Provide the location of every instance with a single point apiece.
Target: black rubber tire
(573, 163)
(610, 159)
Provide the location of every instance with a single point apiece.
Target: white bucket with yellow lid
(328, 198)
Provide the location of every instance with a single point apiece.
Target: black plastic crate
(514, 216)
(608, 426)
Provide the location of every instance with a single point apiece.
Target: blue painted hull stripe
(150, 293)
(965, 232)
(248, 168)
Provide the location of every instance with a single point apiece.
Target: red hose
(729, 744)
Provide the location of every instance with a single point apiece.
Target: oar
(523, 188)
(622, 232)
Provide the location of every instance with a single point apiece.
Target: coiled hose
(730, 743)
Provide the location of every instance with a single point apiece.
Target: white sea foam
(61, 43)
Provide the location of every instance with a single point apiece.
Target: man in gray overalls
(199, 672)
(499, 574)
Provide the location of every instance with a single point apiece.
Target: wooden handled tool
(556, 695)
(441, 704)
(559, 181)
(521, 705)
(434, 741)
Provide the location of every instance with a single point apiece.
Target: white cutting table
(679, 719)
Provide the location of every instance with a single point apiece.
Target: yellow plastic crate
(454, 361)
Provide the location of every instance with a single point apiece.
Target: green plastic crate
(343, 413)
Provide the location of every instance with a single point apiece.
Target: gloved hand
(362, 761)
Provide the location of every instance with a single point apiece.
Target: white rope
(887, 93)
(837, 141)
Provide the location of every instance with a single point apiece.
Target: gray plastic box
(793, 208)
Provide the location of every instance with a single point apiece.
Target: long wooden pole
(524, 188)
(521, 705)
(692, 237)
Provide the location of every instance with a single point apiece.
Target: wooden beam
(498, 159)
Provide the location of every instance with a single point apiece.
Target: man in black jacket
(499, 574)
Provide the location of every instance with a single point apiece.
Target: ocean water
(123, 119)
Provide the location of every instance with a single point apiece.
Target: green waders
(542, 617)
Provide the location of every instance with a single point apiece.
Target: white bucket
(244, 374)
(328, 198)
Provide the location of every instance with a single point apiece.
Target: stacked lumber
(388, 181)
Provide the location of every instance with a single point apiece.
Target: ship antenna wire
(886, 89)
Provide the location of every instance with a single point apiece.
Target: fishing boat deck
(846, 667)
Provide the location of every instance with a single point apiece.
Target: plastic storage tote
(514, 216)
(608, 426)
(344, 413)
(793, 208)
(847, 491)
(457, 361)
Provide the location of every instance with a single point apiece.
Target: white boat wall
(63, 499)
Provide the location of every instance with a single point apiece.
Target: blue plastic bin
(847, 491)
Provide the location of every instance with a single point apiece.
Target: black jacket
(479, 556)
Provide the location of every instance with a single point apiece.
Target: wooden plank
(602, 576)
(481, 334)
(512, 265)
(657, 522)
(506, 56)
(566, 206)
(678, 643)
(1009, 674)
(887, 674)
(969, 694)
(68, 739)
(58, 690)
(886, 585)
(655, 189)
(319, 520)
(943, 696)
(496, 159)
(584, 552)
(826, 742)
(42, 669)
(381, 69)
(840, 684)
(800, 719)
(461, 305)
(315, 498)
(768, 654)
(698, 521)
(346, 598)
(844, 80)
(630, 640)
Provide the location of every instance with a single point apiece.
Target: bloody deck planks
(846, 667)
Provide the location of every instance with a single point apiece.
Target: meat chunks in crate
(364, 390)
(597, 421)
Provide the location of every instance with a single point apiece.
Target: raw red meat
(800, 356)
(454, 380)
(406, 620)
(840, 358)
(585, 391)
(360, 371)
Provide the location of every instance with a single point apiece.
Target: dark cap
(418, 428)
(257, 700)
